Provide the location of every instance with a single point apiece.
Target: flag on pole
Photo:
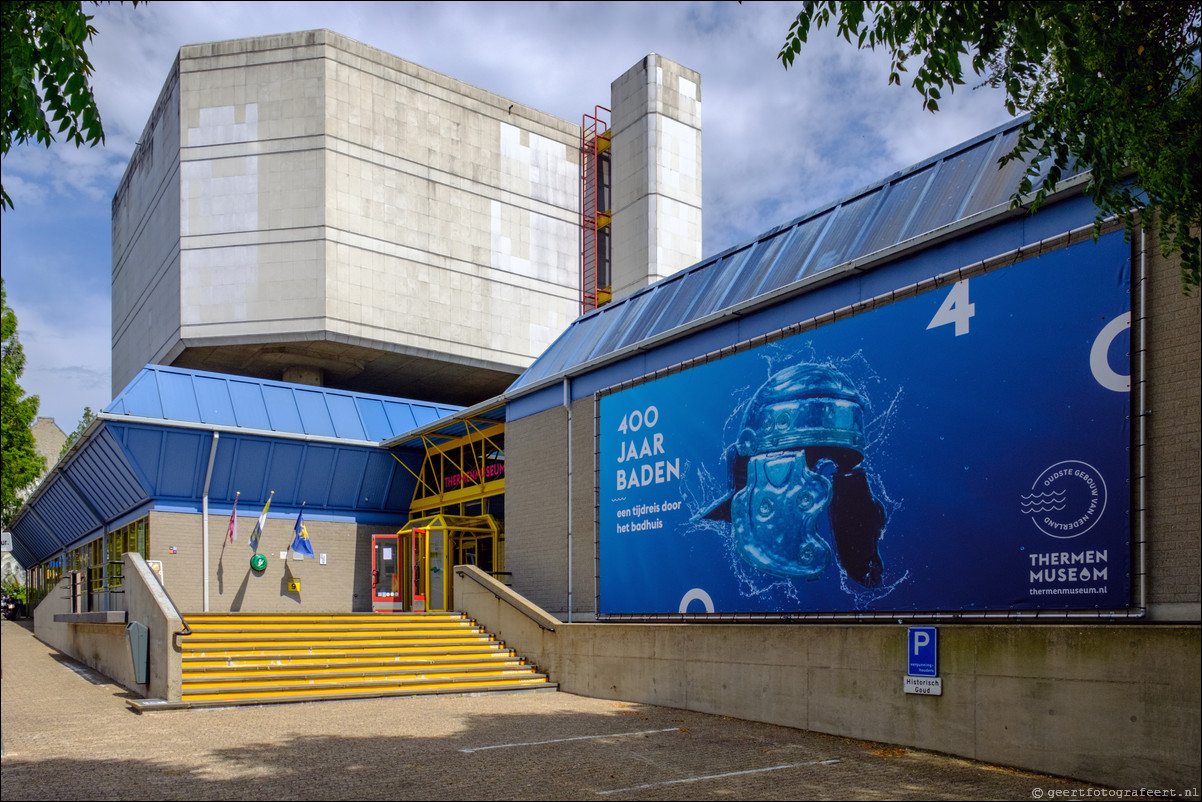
(255, 535)
(234, 519)
(300, 542)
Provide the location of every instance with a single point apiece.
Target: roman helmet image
(797, 458)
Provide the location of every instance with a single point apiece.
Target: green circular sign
(258, 562)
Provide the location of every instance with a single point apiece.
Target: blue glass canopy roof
(171, 430)
(216, 399)
(915, 203)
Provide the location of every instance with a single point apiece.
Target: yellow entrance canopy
(484, 524)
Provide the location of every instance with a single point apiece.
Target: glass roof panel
(759, 261)
(721, 276)
(845, 231)
(797, 245)
(956, 177)
(896, 210)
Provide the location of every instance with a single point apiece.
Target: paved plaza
(68, 734)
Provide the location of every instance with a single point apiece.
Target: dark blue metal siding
(284, 470)
(346, 477)
(103, 475)
(532, 403)
(377, 476)
(32, 540)
(402, 482)
(315, 474)
(253, 456)
(64, 511)
(143, 447)
(183, 461)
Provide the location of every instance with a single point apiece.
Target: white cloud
(66, 360)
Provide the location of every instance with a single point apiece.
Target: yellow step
(398, 677)
(354, 669)
(262, 658)
(339, 658)
(366, 689)
(215, 651)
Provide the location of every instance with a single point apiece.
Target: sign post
(922, 662)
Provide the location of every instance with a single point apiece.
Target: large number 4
(956, 309)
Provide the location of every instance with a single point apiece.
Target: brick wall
(536, 549)
(342, 585)
(1173, 426)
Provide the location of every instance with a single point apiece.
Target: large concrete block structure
(303, 207)
(656, 132)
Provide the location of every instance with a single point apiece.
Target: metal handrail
(510, 602)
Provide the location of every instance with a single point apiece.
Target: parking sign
(923, 652)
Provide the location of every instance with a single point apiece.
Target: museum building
(433, 328)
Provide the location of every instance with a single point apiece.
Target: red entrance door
(385, 573)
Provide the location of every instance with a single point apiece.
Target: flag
(300, 543)
(255, 535)
(234, 519)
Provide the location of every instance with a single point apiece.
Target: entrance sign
(964, 449)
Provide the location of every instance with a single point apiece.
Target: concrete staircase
(238, 659)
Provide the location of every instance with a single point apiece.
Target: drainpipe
(1143, 419)
(567, 405)
(204, 513)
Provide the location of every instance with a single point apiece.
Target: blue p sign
(923, 652)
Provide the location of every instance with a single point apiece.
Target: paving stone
(69, 734)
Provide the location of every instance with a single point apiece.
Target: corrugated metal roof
(216, 399)
(947, 188)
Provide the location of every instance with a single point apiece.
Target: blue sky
(775, 143)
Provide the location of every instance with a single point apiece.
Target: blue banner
(960, 450)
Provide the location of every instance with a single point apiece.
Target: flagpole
(257, 534)
(233, 533)
(204, 526)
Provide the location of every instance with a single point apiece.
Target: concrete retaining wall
(105, 646)
(102, 646)
(1116, 704)
(148, 603)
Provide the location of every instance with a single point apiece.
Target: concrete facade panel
(656, 127)
(146, 248)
